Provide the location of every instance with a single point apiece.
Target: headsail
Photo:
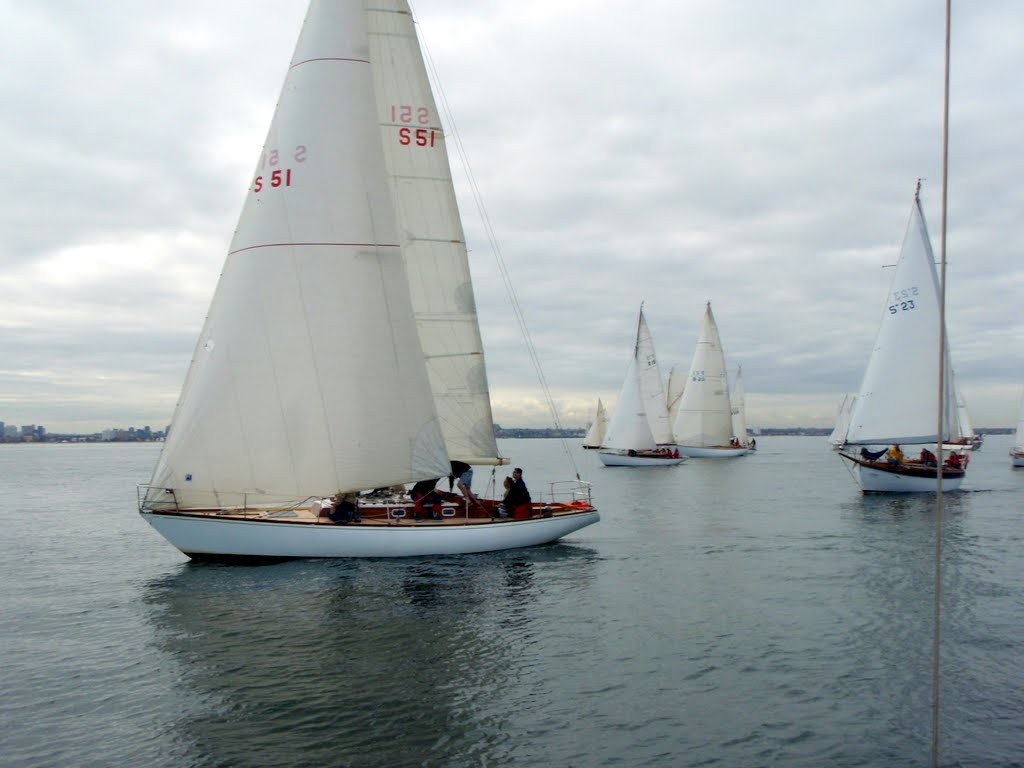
(628, 428)
(838, 437)
(651, 387)
(431, 234)
(674, 391)
(739, 408)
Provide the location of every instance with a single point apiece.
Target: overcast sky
(759, 155)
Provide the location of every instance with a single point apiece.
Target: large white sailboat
(638, 433)
(341, 356)
(703, 425)
(598, 428)
(898, 400)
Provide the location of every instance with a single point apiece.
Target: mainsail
(277, 404)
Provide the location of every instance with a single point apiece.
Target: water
(754, 612)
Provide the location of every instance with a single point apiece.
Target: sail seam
(328, 58)
(341, 245)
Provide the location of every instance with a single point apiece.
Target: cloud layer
(762, 156)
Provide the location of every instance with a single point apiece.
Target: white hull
(212, 537)
(879, 481)
(1017, 459)
(713, 452)
(611, 459)
(877, 477)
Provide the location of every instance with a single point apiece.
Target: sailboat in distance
(739, 412)
(638, 433)
(341, 360)
(598, 428)
(1017, 451)
(897, 403)
(703, 425)
(837, 439)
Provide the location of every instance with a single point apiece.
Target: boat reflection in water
(363, 662)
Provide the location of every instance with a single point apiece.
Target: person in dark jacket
(517, 493)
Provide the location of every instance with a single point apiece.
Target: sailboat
(967, 439)
(598, 428)
(739, 412)
(897, 403)
(638, 433)
(838, 437)
(703, 425)
(341, 357)
(1017, 452)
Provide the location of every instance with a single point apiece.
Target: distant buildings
(32, 433)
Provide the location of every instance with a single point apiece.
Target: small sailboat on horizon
(341, 357)
(639, 434)
(598, 428)
(966, 439)
(738, 400)
(897, 402)
(704, 420)
(838, 437)
(1017, 451)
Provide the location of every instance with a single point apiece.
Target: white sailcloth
(966, 428)
(1018, 440)
(651, 387)
(898, 397)
(277, 404)
(704, 418)
(838, 437)
(676, 385)
(739, 408)
(595, 435)
(431, 235)
(628, 427)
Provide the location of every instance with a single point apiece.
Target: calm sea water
(755, 612)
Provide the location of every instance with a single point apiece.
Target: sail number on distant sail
(279, 177)
(903, 300)
(421, 137)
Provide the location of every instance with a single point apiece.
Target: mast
(941, 410)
